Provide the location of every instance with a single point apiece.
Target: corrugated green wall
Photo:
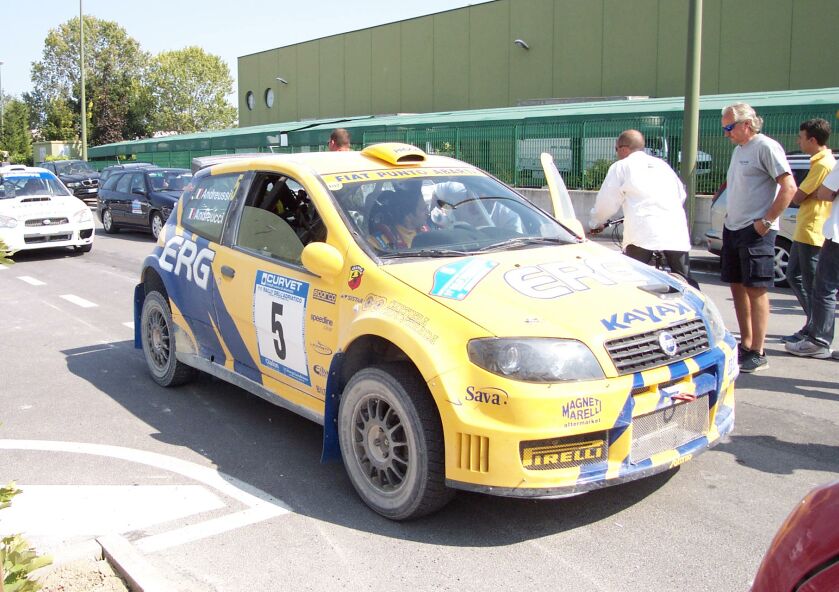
(466, 59)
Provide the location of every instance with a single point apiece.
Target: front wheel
(159, 347)
(782, 251)
(108, 222)
(156, 224)
(392, 442)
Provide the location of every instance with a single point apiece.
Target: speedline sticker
(279, 313)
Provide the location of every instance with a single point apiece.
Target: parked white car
(800, 166)
(37, 212)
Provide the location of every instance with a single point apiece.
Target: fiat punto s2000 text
(447, 333)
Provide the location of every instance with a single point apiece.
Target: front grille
(46, 221)
(91, 182)
(46, 238)
(668, 428)
(640, 352)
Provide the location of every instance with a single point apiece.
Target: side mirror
(138, 192)
(322, 259)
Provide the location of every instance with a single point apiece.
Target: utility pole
(81, 69)
(690, 127)
(2, 107)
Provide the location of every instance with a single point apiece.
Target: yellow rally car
(447, 333)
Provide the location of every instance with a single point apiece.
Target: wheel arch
(364, 351)
(150, 282)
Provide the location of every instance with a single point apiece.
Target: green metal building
(507, 141)
(469, 58)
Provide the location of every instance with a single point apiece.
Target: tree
(16, 139)
(114, 62)
(188, 89)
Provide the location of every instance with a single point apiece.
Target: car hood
(32, 206)
(583, 291)
(75, 178)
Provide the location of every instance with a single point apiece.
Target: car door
(137, 210)
(285, 315)
(119, 199)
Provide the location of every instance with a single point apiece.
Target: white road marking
(78, 301)
(31, 280)
(261, 505)
(52, 514)
(130, 325)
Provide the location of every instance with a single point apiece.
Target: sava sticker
(279, 309)
(356, 272)
(456, 280)
(486, 394)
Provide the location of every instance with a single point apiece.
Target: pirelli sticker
(544, 455)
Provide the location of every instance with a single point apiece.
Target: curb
(132, 566)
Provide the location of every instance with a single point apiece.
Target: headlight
(73, 185)
(7, 222)
(533, 359)
(715, 323)
(83, 216)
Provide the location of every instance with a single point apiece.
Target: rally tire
(157, 333)
(392, 442)
(108, 222)
(156, 223)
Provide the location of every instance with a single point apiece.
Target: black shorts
(748, 258)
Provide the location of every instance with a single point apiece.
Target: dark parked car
(77, 175)
(141, 198)
(110, 170)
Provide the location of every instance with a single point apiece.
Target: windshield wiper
(522, 241)
(426, 253)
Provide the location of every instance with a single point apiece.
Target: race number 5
(277, 329)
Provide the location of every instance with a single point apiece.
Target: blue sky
(224, 28)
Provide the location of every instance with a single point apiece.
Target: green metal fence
(582, 149)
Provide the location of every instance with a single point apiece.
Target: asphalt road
(222, 491)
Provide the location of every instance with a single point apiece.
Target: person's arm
(829, 186)
(782, 200)
(800, 197)
(815, 177)
(608, 201)
(825, 193)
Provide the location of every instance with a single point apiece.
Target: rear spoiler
(202, 162)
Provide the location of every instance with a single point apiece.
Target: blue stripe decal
(678, 370)
(623, 421)
(637, 380)
(242, 361)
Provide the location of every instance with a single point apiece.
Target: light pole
(2, 104)
(81, 68)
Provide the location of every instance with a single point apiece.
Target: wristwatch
(767, 224)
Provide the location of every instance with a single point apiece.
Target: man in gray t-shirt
(760, 187)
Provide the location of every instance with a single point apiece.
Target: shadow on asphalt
(279, 452)
(137, 236)
(801, 387)
(770, 455)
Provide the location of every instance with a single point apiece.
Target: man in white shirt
(651, 196)
(818, 335)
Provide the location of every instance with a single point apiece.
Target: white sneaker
(807, 349)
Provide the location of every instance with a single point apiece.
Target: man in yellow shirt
(808, 238)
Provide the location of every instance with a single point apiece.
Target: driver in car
(399, 217)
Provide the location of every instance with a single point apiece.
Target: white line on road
(31, 280)
(78, 301)
(262, 506)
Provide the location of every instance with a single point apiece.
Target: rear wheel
(108, 222)
(156, 224)
(392, 442)
(159, 347)
(782, 250)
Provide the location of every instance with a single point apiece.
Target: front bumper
(22, 238)
(527, 447)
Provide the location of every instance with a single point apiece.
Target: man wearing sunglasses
(760, 187)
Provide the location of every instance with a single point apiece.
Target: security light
(282, 80)
(521, 43)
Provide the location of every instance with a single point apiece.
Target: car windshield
(429, 213)
(169, 180)
(73, 168)
(25, 184)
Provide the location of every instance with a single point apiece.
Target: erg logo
(180, 253)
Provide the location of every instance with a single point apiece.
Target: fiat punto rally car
(38, 212)
(447, 333)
